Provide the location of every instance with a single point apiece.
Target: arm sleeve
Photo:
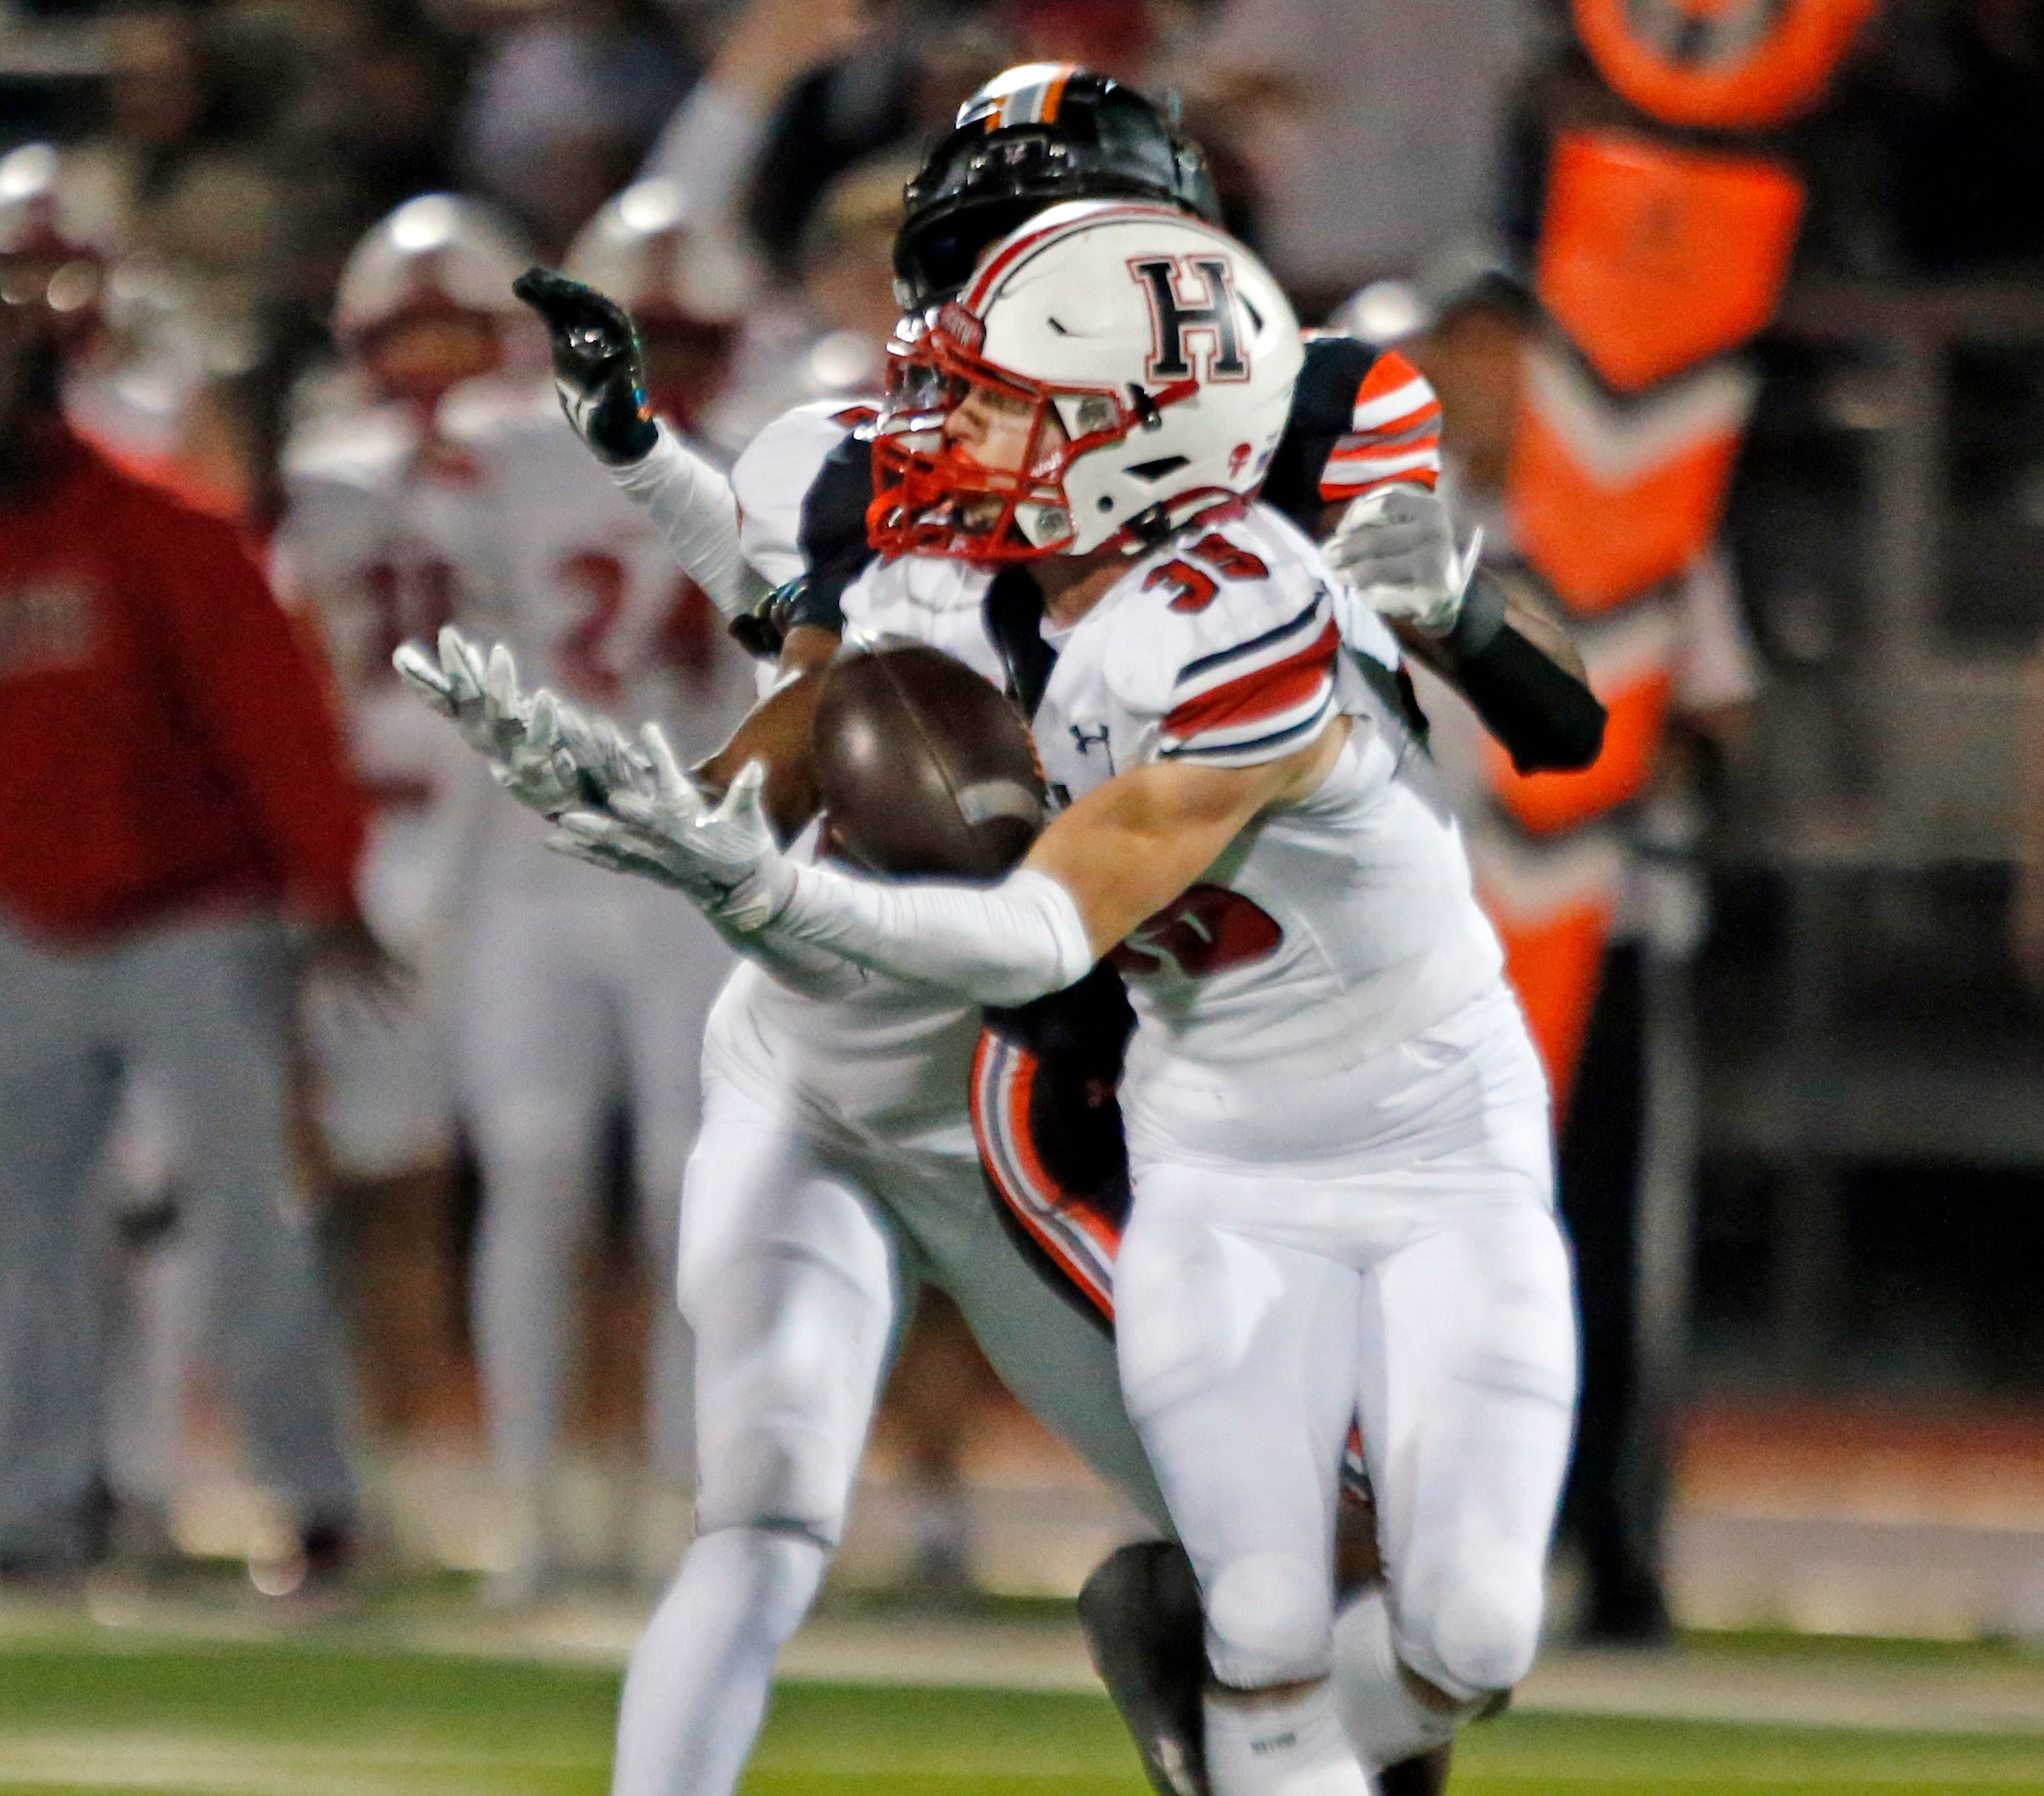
(1546, 720)
(262, 703)
(709, 146)
(1003, 944)
(1361, 419)
(803, 968)
(697, 515)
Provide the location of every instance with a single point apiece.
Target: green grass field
(114, 1713)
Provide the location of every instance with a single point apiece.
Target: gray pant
(202, 1009)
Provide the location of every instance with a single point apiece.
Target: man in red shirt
(173, 799)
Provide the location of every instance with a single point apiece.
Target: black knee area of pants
(1147, 1634)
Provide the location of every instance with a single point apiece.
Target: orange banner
(1608, 500)
(1653, 258)
(1731, 64)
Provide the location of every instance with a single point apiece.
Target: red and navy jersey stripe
(1256, 700)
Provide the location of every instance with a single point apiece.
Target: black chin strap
(1013, 608)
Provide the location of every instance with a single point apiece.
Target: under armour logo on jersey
(1087, 740)
(1191, 297)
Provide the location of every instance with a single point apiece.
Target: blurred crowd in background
(1390, 157)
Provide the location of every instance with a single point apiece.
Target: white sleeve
(804, 969)
(697, 513)
(1003, 944)
(709, 145)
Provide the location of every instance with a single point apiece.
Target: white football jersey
(1330, 930)
(372, 546)
(891, 1063)
(574, 578)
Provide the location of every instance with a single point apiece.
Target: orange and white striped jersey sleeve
(1393, 434)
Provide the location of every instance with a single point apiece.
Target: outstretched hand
(599, 366)
(1397, 547)
(548, 754)
(724, 859)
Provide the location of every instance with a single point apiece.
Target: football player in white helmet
(578, 999)
(1034, 136)
(1338, 1129)
(374, 543)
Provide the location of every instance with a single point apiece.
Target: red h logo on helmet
(1178, 316)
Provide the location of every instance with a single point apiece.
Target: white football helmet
(52, 254)
(664, 261)
(1158, 354)
(436, 255)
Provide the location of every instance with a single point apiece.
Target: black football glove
(599, 369)
(763, 630)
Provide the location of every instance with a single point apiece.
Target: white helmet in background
(664, 261)
(436, 255)
(53, 253)
(1158, 355)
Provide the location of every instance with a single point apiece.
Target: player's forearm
(1523, 675)
(803, 966)
(697, 515)
(1003, 944)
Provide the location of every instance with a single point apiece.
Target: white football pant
(583, 993)
(1260, 1311)
(800, 1257)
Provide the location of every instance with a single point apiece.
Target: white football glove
(543, 751)
(1397, 547)
(724, 859)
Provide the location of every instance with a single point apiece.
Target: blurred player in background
(174, 799)
(378, 507)
(580, 998)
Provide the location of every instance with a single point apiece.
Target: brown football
(923, 767)
(776, 732)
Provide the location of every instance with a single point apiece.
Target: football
(775, 733)
(923, 768)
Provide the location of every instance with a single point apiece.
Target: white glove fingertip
(500, 681)
(423, 675)
(673, 783)
(743, 794)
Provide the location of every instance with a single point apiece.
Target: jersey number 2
(687, 635)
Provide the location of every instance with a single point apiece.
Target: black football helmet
(1031, 137)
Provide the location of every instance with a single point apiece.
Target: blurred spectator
(828, 335)
(377, 105)
(173, 791)
(425, 306)
(1115, 37)
(181, 167)
(566, 107)
(2027, 917)
(1376, 129)
(710, 145)
(898, 89)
